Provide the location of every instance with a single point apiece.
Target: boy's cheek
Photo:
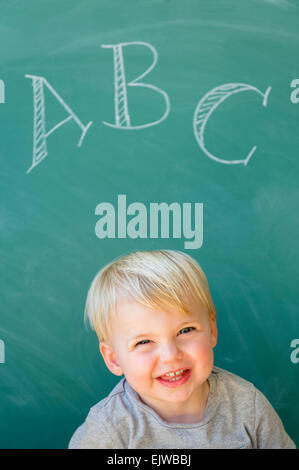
(139, 366)
(203, 352)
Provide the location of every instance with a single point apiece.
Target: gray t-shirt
(237, 416)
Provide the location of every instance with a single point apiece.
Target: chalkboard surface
(135, 104)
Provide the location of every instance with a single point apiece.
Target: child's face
(147, 344)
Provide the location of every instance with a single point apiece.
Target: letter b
(122, 117)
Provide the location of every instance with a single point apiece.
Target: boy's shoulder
(229, 379)
(232, 391)
(115, 409)
(115, 396)
(106, 422)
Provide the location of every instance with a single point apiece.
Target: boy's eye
(144, 341)
(187, 329)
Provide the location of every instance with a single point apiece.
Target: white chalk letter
(207, 106)
(39, 120)
(122, 117)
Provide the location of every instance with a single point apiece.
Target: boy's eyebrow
(180, 326)
(142, 335)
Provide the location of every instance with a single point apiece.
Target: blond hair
(159, 278)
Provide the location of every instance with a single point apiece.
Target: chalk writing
(39, 121)
(203, 111)
(208, 104)
(122, 117)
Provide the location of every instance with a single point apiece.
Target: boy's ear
(110, 358)
(214, 332)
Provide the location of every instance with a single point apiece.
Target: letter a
(122, 117)
(39, 123)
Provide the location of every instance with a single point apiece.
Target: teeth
(173, 374)
(175, 379)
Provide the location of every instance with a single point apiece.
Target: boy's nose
(169, 352)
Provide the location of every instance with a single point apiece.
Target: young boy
(156, 323)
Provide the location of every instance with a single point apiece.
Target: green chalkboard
(133, 104)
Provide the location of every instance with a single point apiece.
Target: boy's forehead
(129, 312)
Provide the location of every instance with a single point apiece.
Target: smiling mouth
(175, 378)
(172, 376)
